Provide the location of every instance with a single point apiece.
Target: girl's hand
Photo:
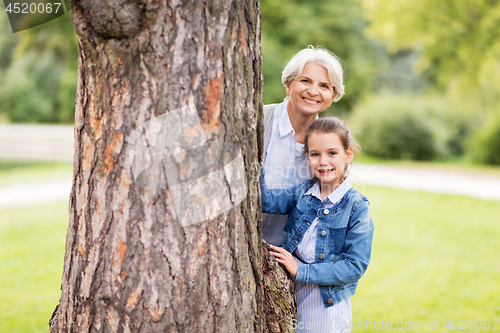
(284, 257)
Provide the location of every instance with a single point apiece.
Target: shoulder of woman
(270, 107)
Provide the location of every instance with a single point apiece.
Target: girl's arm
(358, 246)
(277, 201)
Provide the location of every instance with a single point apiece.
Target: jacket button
(330, 301)
(321, 256)
(326, 211)
(323, 233)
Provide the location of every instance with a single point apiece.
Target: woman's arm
(358, 245)
(277, 201)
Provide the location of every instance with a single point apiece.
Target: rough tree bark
(131, 265)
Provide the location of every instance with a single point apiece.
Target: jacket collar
(317, 204)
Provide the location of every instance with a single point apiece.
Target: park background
(422, 90)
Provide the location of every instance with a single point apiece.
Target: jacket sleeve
(277, 201)
(356, 257)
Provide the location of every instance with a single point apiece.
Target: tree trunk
(164, 232)
(279, 305)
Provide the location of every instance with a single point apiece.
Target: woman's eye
(304, 80)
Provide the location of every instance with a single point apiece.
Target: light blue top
(285, 165)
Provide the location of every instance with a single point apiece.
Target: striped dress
(312, 314)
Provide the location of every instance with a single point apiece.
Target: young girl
(329, 230)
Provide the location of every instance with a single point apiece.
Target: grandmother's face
(311, 92)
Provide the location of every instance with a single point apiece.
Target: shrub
(404, 127)
(484, 145)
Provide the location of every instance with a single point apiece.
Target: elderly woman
(313, 80)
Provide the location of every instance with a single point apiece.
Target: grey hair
(321, 56)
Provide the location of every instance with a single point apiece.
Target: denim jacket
(343, 243)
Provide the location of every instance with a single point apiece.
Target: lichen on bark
(279, 304)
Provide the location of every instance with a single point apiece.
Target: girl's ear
(350, 155)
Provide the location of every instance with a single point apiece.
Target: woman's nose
(313, 90)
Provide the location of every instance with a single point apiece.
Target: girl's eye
(333, 153)
(314, 154)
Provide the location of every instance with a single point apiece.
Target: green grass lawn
(435, 257)
(15, 172)
(32, 241)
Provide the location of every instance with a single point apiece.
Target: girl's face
(328, 159)
(311, 92)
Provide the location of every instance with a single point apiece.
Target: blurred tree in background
(458, 40)
(38, 68)
(459, 49)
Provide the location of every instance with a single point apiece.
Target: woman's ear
(288, 88)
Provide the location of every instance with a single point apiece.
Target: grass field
(435, 257)
(15, 172)
(32, 243)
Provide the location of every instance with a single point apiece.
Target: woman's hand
(284, 257)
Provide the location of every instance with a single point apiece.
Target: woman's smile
(310, 101)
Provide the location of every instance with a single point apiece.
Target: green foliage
(398, 73)
(458, 40)
(484, 146)
(289, 26)
(29, 89)
(410, 126)
(8, 41)
(38, 68)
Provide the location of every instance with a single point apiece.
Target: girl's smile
(325, 172)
